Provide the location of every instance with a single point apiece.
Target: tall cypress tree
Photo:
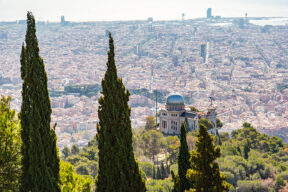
(183, 160)
(118, 169)
(205, 173)
(40, 162)
(181, 183)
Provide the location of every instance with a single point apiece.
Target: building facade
(175, 113)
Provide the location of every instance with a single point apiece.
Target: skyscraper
(209, 12)
(62, 20)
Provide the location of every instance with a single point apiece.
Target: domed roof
(175, 99)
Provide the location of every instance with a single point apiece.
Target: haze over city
(106, 10)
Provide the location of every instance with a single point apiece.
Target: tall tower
(209, 13)
(62, 20)
(183, 16)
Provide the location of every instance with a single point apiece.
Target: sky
(110, 10)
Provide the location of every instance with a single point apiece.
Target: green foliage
(10, 145)
(150, 122)
(224, 136)
(206, 123)
(153, 142)
(40, 159)
(252, 139)
(193, 109)
(88, 90)
(219, 123)
(159, 185)
(66, 152)
(205, 173)
(159, 175)
(164, 174)
(118, 169)
(70, 181)
(147, 168)
(172, 148)
(279, 182)
(183, 162)
(161, 95)
(75, 150)
(257, 186)
(85, 162)
(259, 167)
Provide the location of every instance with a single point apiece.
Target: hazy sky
(95, 10)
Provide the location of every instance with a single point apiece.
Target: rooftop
(175, 99)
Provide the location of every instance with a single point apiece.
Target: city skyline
(137, 10)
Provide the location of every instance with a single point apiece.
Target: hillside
(249, 159)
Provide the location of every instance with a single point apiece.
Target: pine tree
(183, 160)
(118, 169)
(40, 161)
(204, 172)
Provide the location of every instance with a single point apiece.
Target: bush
(159, 185)
(255, 186)
(147, 168)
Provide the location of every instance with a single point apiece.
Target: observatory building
(174, 113)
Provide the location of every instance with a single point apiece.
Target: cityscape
(240, 62)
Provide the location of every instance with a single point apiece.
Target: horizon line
(129, 20)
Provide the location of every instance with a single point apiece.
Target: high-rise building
(62, 20)
(150, 19)
(209, 12)
(183, 16)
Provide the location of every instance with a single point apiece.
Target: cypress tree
(154, 173)
(40, 161)
(118, 169)
(175, 180)
(204, 172)
(159, 174)
(183, 160)
(167, 169)
(163, 171)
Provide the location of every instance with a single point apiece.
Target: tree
(66, 152)
(75, 149)
(163, 171)
(183, 161)
(147, 168)
(118, 169)
(70, 181)
(175, 179)
(206, 123)
(154, 173)
(193, 109)
(150, 122)
(40, 161)
(156, 142)
(219, 123)
(159, 174)
(204, 172)
(10, 144)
